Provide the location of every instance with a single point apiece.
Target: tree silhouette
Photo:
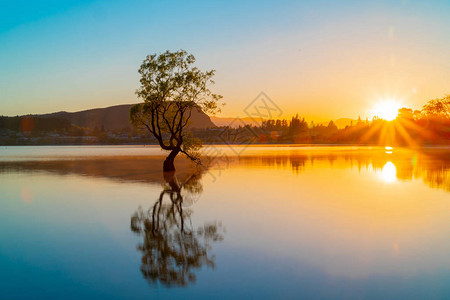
(438, 108)
(171, 87)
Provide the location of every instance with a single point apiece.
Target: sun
(386, 109)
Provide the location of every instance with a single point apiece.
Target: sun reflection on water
(389, 172)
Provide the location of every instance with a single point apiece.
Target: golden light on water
(389, 172)
(386, 109)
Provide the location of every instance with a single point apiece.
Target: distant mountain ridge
(117, 117)
(342, 122)
(235, 122)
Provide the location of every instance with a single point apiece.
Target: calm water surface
(260, 222)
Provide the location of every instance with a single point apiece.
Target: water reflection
(432, 166)
(144, 169)
(172, 250)
(313, 223)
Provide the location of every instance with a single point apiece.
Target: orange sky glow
(320, 61)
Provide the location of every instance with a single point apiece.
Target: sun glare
(386, 109)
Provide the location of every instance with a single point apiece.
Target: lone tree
(171, 87)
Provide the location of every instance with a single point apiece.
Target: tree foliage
(438, 108)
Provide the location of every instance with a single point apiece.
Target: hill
(341, 123)
(116, 117)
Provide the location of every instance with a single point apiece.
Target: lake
(252, 223)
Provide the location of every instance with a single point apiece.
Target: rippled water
(258, 222)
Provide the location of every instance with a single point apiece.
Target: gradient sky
(323, 60)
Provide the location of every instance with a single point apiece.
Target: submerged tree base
(168, 165)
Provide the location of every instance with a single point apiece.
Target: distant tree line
(34, 130)
(428, 126)
(33, 124)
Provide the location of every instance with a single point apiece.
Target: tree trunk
(168, 165)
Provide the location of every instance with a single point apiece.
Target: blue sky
(72, 55)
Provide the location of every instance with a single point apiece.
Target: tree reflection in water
(172, 251)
